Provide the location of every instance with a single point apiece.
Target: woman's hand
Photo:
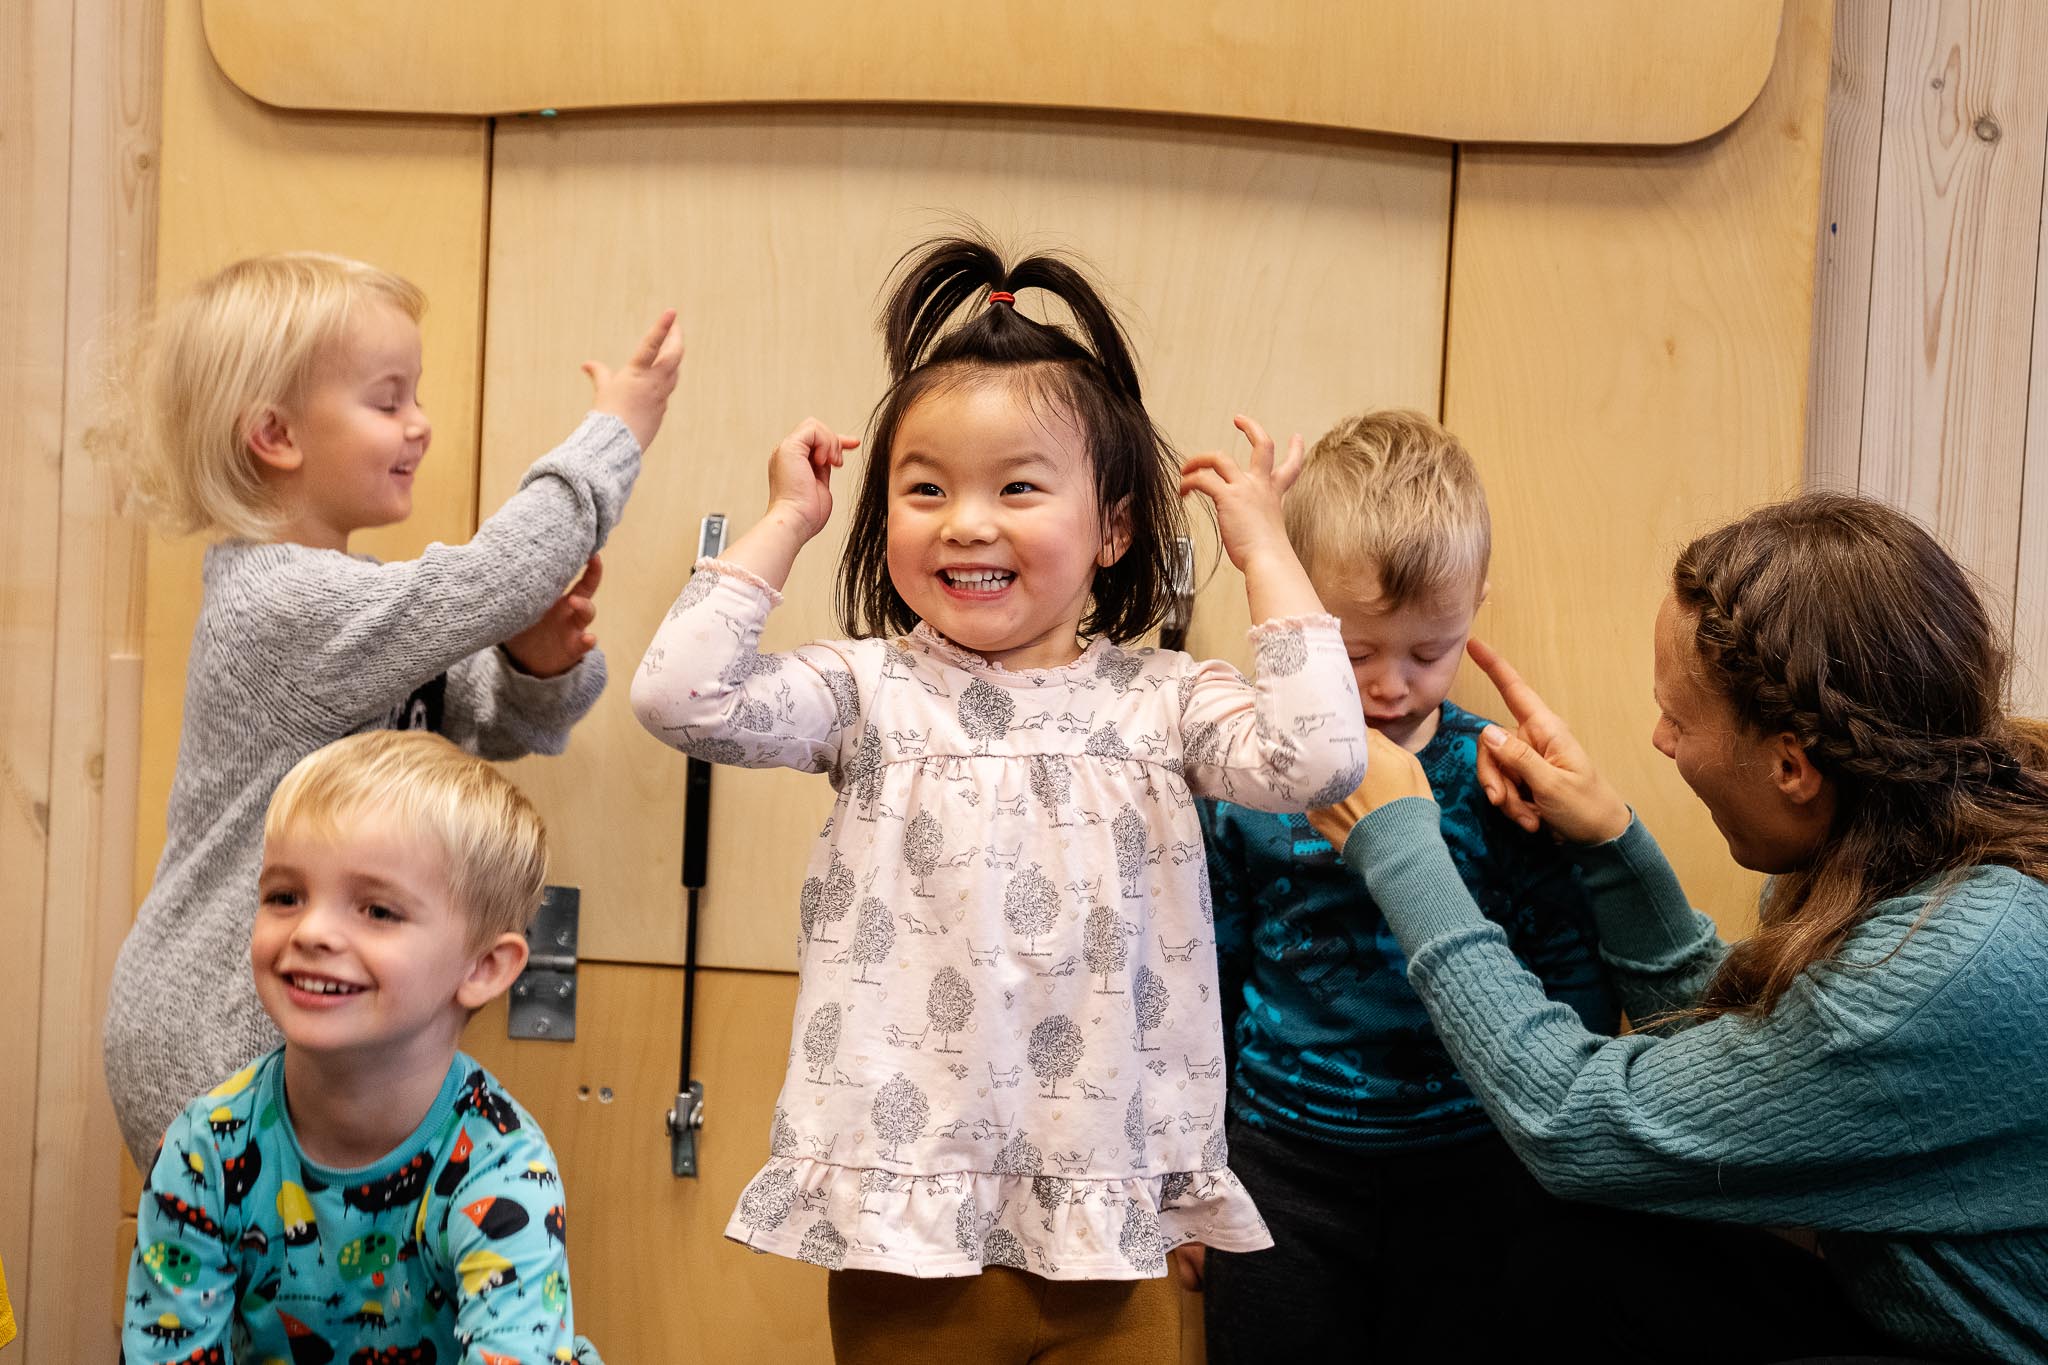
(1391, 772)
(1540, 775)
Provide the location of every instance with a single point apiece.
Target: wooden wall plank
(1849, 157)
(2030, 595)
(1951, 313)
(35, 171)
(1628, 354)
(1297, 277)
(1499, 70)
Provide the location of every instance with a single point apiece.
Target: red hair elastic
(998, 296)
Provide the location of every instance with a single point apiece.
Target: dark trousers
(1456, 1253)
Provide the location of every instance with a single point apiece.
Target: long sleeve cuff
(1399, 852)
(1640, 909)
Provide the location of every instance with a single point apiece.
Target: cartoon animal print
(1186, 851)
(841, 1078)
(1154, 743)
(1036, 722)
(1094, 1092)
(238, 1173)
(960, 860)
(997, 858)
(1203, 1071)
(1182, 953)
(1066, 966)
(822, 1147)
(1071, 724)
(918, 926)
(1073, 1163)
(810, 1201)
(1011, 805)
(1159, 1129)
(1005, 1079)
(983, 957)
(986, 1129)
(909, 743)
(898, 1038)
(1198, 1123)
(951, 1130)
(401, 1187)
(1088, 893)
(479, 1098)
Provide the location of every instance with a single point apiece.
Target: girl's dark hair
(1089, 378)
(1840, 621)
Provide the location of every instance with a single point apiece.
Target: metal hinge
(544, 996)
(683, 1122)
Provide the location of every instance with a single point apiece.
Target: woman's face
(1747, 782)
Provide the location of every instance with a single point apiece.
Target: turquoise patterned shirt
(451, 1248)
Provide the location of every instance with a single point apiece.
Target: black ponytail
(1091, 377)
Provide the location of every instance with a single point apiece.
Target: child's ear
(270, 441)
(493, 972)
(1116, 534)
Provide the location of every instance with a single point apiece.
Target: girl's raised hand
(637, 394)
(1541, 775)
(1247, 499)
(800, 474)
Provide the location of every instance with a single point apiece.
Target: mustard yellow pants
(1002, 1317)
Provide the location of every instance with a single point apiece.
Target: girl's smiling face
(995, 533)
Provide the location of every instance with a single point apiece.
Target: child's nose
(318, 926)
(968, 523)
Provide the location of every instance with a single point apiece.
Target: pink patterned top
(1007, 1047)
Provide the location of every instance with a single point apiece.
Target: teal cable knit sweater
(1895, 1101)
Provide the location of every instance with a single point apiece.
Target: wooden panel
(1296, 278)
(241, 179)
(1628, 356)
(655, 1278)
(1494, 70)
(35, 101)
(1848, 220)
(2030, 597)
(1951, 313)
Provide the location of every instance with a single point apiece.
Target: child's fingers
(670, 357)
(650, 345)
(1290, 469)
(599, 375)
(1213, 461)
(593, 574)
(1203, 481)
(1262, 444)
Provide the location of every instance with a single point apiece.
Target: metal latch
(683, 1122)
(544, 996)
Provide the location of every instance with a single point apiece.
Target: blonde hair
(240, 344)
(489, 832)
(1392, 491)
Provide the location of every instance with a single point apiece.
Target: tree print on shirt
(1281, 653)
(1118, 669)
(823, 1245)
(1055, 1050)
(1050, 1191)
(845, 695)
(821, 1039)
(1018, 1157)
(1105, 945)
(1134, 1128)
(1001, 1247)
(985, 713)
(899, 1113)
(864, 771)
(781, 1137)
(1128, 831)
(1029, 905)
(949, 1005)
(1149, 999)
(1053, 785)
(767, 1202)
(923, 840)
(825, 900)
(874, 934)
(1105, 742)
(1140, 1241)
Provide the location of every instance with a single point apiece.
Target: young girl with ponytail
(1007, 1050)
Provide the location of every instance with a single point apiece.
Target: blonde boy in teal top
(367, 1193)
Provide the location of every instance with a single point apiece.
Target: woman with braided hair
(1869, 1067)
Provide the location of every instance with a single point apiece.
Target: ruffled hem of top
(924, 637)
(726, 568)
(958, 1223)
(1280, 624)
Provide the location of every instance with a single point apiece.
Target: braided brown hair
(1839, 620)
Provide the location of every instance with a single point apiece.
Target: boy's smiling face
(1405, 658)
(359, 945)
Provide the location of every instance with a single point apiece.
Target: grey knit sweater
(295, 648)
(1895, 1101)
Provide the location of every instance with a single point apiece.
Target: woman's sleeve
(704, 686)
(1774, 1121)
(1291, 741)
(352, 637)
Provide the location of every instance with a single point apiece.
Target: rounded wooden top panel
(1551, 71)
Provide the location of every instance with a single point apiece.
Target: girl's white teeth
(315, 986)
(982, 579)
